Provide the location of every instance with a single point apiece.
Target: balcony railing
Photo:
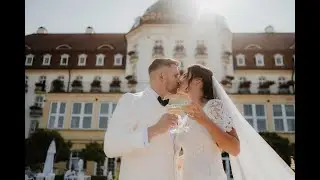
(86, 87)
(106, 87)
(36, 111)
(234, 88)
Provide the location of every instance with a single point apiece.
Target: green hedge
(60, 177)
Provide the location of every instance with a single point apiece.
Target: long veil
(256, 160)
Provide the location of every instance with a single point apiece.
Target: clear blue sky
(110, 16)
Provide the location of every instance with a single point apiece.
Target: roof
(75, 44)
(168, 12)
(267, 44)
(46, 42)
(267, 41)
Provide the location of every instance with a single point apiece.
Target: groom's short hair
(158, 63)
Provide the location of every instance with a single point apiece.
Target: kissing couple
(139, 132)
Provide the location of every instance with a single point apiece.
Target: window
(38, 101)
(259, 60)
(46, 59)
(256, 116)
(97, 78)
(33, 126)
(79, 78)
(100, 60)
(63, 46)
(278, 58)
(81, 115)
(57, 115)
(118, 60)
(26, 79)
(252, 46)
(29, 60)
(105, 113)
(240, 60)
(242, 79)
(42, 79)
(61, 78)
(262, 79)
(283, 117)
(82, 60)
(281, 80)
(64, 59)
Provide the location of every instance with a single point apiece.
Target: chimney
(89, 30)
(269, 29)
(42, 30)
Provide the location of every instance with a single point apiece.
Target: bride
(216, 125)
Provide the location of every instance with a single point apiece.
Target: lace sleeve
(216, 112)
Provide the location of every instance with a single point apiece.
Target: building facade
(73, 81)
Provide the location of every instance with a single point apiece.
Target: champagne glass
(182, 125)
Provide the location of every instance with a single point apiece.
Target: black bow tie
(163, 102)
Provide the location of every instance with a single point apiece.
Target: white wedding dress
(202, 156)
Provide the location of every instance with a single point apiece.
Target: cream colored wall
(79, 136)
(268, 101)
(253, 76)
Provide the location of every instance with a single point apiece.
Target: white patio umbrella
(48, 165)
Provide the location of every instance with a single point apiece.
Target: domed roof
(169, 12)
(175, 12)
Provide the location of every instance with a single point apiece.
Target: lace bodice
(202, 157)
(215, 110)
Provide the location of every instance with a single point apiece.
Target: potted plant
(227, 82)
(57, 86)
(231, 78)
(26, 87)
(115, 84)
(132, 82)
(226, 55)
(133, 57)
(201, 50)
(96, 86)
(158, 50)
(76, 86)
(284, 88)
(40, 87)
(179, 51)
(264, 88)
(35, 110)
(244, 87)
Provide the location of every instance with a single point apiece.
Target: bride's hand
(195, 112)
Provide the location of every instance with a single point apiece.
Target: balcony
(95, 87)
(268, 87)
(26, 86)
(36, 111)
(40, 87)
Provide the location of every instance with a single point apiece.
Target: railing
(234, 88)
(105, 87)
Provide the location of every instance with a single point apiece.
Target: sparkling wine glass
(182, 121)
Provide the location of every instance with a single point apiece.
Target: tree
(281, 145)
(36, 147)
(93, 152)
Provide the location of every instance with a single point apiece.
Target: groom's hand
(166, 122)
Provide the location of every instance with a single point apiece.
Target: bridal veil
(257, 160)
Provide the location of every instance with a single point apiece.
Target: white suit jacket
(126, 136)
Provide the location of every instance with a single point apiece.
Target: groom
(139, 128)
